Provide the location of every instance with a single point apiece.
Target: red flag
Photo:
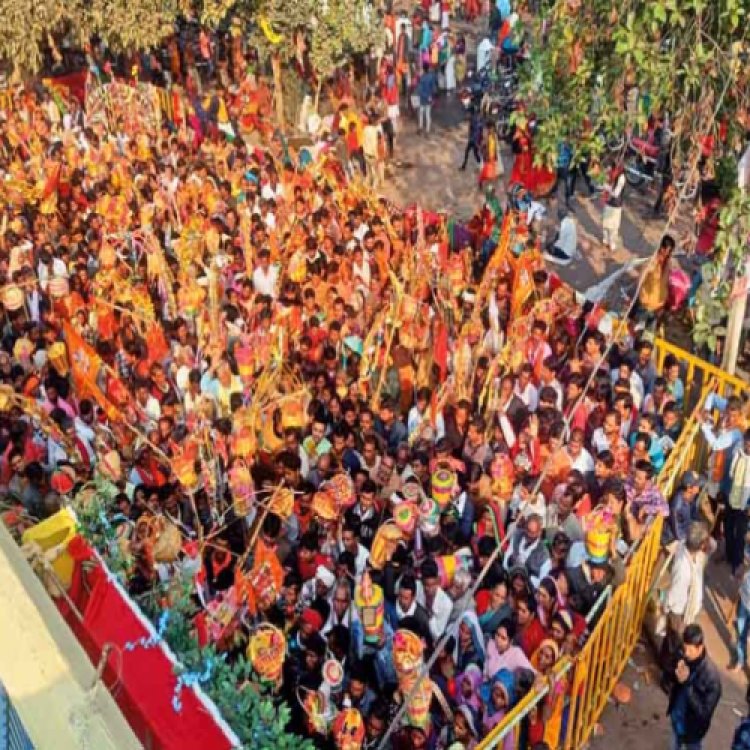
(440, 351)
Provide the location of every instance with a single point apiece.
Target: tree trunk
(317, 94)
(278, 93)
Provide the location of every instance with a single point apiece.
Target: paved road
(425, 170)
(642, 725)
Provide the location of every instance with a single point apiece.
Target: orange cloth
(85, 365)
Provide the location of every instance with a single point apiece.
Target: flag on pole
(85, 366)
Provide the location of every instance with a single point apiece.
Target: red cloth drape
(142, 680)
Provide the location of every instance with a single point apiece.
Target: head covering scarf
(549, 584)
(470, 618)
(474, 676)
(471, 720)
(546, 643)
(494, 716)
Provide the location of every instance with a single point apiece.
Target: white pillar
(734, 333)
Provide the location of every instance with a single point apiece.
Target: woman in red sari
(538, 180)
(471, 9)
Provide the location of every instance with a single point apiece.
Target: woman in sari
(467, 688)
(546, 720)
(489, 171)
(538, 180)
(472, 9)
(493, 606)
(502, 653)
(530, 631)
(549, 601)
(469, 643)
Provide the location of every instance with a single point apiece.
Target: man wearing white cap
(318, 587)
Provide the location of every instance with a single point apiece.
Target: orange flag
(523, 282)
(85, 365)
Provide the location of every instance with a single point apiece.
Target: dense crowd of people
(342, 410)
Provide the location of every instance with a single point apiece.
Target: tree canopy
(332, 30)
(598, 69)
(29, 27)
(686, 59)
(329, 32)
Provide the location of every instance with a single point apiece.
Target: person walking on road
(371, 134)
(695, 694)
(426, 88)
(613, 206)
(685, 594)
(738, 503)
(474, 142)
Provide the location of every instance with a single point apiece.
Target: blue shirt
(564, 156)
(385, 672)
(655, 451)
(475, 129)
(678, 714)
(426, 40)
(741, 739)
(426, 88)
(681, 514)
(503, 8)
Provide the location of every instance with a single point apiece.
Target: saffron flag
(85, 365)
(523, 282)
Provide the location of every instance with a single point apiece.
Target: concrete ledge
(46, 672)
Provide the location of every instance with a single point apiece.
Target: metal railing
(696, 374)
(594, 672)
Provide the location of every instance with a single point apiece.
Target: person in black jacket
(695, 694)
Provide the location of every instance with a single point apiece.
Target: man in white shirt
(580, 459)
(684, 600)
(265, 276)
(484, 53)
(341, 609)
(361, 268)
(525, 389)
(360, 228)
(320, 586)
(564, 248)
(349, 541)
(420, 424)
(370, 134)
(548, 379)
(169, 180)
(147, 406)
(435, 601)
(626, 372)
(54, 267)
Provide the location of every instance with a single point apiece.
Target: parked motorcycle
(642, 157)
(475, 87)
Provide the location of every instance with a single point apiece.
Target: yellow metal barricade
(697, 373)
(596, 669)
(601, 662)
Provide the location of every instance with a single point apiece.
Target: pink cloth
(48, 407)
(513, 659)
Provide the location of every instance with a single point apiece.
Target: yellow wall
(46, 672)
